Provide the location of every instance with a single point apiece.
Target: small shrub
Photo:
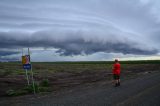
(44, 89)
(30, 88)
(36, 88)
(11, 92)
(44, 83)
(21, 92)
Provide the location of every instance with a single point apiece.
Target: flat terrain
(84, 83)
(140, 91)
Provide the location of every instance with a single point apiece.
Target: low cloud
(7, 52)
(80, 27)
(76, 42)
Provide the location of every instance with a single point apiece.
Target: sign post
(32, 74)
(27, 66)
(24, 62)
(27, 77)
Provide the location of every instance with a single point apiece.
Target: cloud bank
(81, 27)
(76, 42)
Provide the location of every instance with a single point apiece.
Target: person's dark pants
(116, 77)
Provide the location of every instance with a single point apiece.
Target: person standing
(116, 72)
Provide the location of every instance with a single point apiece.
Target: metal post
(27, 76)
(26, 71)
(33, 81)
(32, 74)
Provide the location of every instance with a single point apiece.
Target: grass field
(58, 75)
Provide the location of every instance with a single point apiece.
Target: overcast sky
(80, 30)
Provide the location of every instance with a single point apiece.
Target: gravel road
(141, 91)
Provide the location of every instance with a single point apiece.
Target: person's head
(116, 60)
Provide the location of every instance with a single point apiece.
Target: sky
(80, 30)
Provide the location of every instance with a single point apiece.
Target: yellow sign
(26, 59)
(23, 59)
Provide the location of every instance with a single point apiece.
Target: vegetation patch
(52, 76)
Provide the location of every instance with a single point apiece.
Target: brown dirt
(60, 80)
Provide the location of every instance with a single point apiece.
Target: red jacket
(116, 68)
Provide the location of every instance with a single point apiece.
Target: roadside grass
(40, 87)
(15, 68)
(45, 69)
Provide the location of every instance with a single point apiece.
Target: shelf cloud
(82, 27)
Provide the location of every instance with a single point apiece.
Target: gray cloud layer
(75, 43)
(81, 27)
(6, 52)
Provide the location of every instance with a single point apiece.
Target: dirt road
(143, 91)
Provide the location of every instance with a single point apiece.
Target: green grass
(105, 62)
(47, 68)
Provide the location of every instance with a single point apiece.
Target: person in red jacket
(116, 72)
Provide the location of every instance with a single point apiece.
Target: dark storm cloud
(71, 44)
(80, 27)
(91, 47)
(7, 59)
(6, 53)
